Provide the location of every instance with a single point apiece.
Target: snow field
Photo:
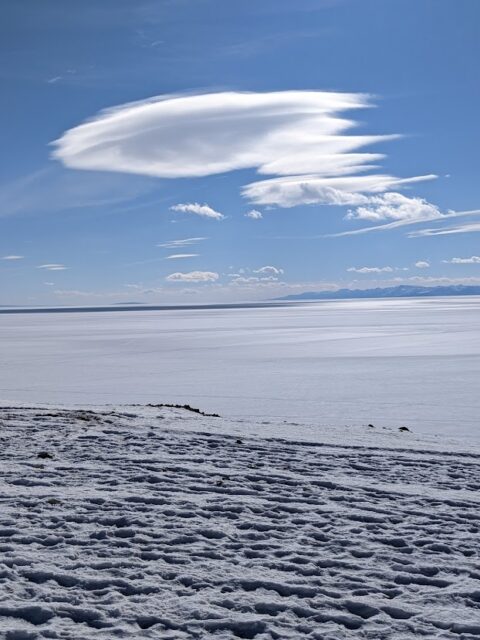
(159, 523)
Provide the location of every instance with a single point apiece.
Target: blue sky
(140, 136)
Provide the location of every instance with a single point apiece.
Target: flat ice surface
(413, 362)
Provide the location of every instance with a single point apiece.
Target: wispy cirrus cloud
(179, 256)
(193, 276)
(178, 244)
(202, 210)
(469, 227)
(55, 189)
(12, 257)
(52, 267)
(423, 215)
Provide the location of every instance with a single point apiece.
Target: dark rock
(44, 455)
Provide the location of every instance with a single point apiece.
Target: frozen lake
(413, 362)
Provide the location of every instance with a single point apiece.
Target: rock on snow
(159, 523)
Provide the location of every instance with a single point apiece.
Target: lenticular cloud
(296, 139)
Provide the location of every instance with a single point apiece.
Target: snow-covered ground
(148, 522)
(390, 362)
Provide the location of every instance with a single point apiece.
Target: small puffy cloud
(202, 210)
(471, 260)
(193, 276)
(371, 269)
(269, 270)
(178, 256)
(52, 267)
(253, 214)
(422, 264)
(178, 244)
(12, 257)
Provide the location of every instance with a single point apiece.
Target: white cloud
(12, 257)
(178, 256)
(422, 264)
(297, 136)
(269, 270)
(371, 269)
(442, 217)
(52, 267)
(471, 227)
(471, 260)
(395, 206)
(254, 281)
(245, 280)
(177, 244)
(177, 136)
(254, 214)
(292, 191)
(199, 209)
(193, 276)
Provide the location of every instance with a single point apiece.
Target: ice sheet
(388, 362)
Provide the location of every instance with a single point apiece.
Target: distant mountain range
(401, 291)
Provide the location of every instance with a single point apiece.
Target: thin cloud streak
(403, 223)
(473, 227)
(178, 256)
(52, 267)
(176, 244)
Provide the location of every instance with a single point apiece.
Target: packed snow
(156, 522)
(392, 362)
